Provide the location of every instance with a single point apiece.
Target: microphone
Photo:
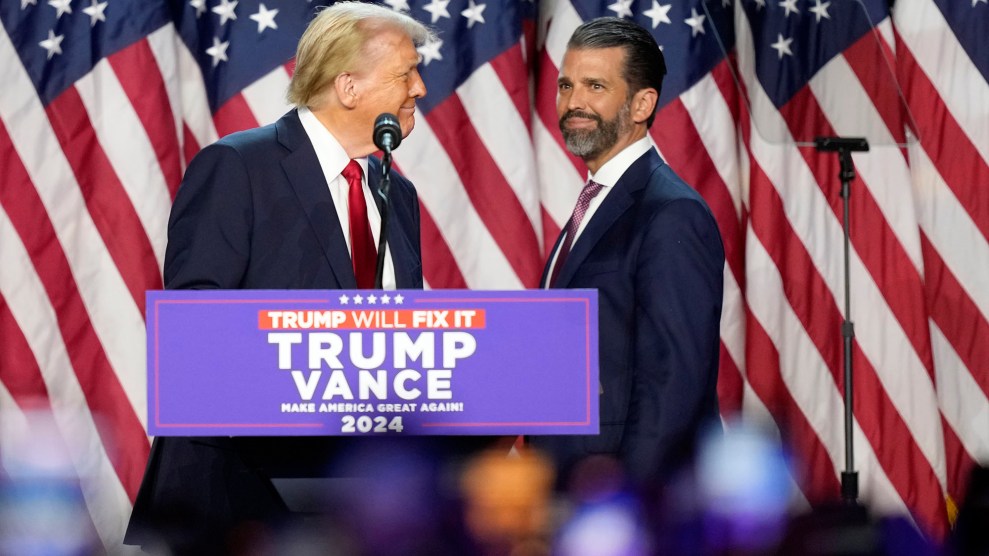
(387, 132)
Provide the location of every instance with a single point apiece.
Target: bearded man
(650, 245)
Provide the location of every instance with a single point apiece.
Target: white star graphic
(725, 3)
(358, 300)
(622, 8)
(696, 22)
(265, 18)
(790, 6)
(431, 51)
(398, 5)
(344, 299)
(218, 51)
(782, 46)
(821, 10)
(473, 13)
(658, 14)
(53, 44)
(438, 9)
(760, 4)
(26, 3)
(372, 299)
(226, 10)
(974, 2)
(399, 299)
(385, 298)
(199, 5)
(62, 6)
(95, 12)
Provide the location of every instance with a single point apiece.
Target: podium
(260, 373)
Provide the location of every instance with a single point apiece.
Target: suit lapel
(618, 201)
(306, 177)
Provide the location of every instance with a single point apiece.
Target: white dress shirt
(332, 160)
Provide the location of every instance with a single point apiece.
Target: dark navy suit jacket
(254, 211)
(654, 253)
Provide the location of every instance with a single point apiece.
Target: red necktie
(363, 253)
(583, 202)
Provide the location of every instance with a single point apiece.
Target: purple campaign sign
(407, 362)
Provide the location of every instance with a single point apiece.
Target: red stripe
(492, 197)
(960, 463)
(551, 232)
(190, 145)
(944, 141)
(107, 201)
(234, 116)
(808, 295)
(138, 73)
(546, 107)
(118, 425)
(439, 266)
(964, 326)
(816, 472)
(19, 371)
(875, 242)
(511, 70)
(731, 384)
(868, 61)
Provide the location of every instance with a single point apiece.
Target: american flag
(105, 101)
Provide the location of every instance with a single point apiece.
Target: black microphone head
(387, 132)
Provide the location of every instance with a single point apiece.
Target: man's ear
(345, 87)
(643, 103)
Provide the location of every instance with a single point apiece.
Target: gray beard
(590, 143)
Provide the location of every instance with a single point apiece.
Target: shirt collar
(332, 157)
(609, 174)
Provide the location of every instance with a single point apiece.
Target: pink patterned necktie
(583, 201)
(363, 253)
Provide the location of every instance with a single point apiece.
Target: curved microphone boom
(387, 136)
(387, 132)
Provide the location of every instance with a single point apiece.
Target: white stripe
(266, 96)
(565, 20)
(115, 317)
(478, 256)
(715, 125)
(165, 57)
(963, 89)
(883, 169)
(901, 372)
(809, 381)
(950, 229)
(28, 303)
(129, 150)
(733, 320)
(503, 132)
(963, 402)
(180, 70)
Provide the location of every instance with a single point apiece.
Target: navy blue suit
(654, 253)
(254, 211)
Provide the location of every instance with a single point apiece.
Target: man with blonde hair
(290, 205)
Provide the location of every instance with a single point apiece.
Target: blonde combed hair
(333, 43)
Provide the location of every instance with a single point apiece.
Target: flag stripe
(136, 69)
(104, 394)
(234, 115)
(485, 185)
(438, 263)
(105, 197)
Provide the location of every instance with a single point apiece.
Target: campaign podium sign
(360, 362)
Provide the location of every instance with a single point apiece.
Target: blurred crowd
(736, 499)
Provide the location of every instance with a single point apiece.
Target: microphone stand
(844, 146)
(382, 193)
